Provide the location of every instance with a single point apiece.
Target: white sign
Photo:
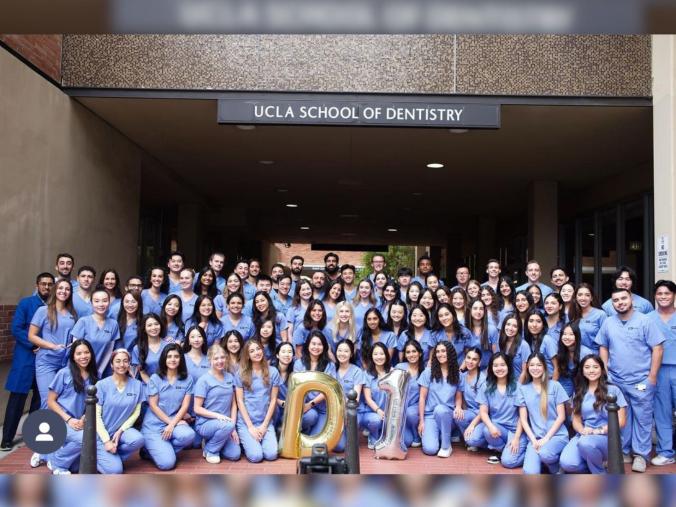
(662, 254)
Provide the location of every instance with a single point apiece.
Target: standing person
(21, 378)
(169, 391)
(462, 276)
(379, 283)
(216, 409)
(67, 398)
(242, 270)
(254, 271)
(665, 397)
(533, 274)
(404, 278)
(171, 318)
(586, 310)
(233, 285)
(155, 292)
(331, 266)
(542, 413)
(296, 265)
(424, 268)
(378, 265)
(570, 352)
(265, 332)
(128, 320)
(263, 309)
(473, 289)
(318, 284)
(418, 330)
(373, 405)
(512, 344)
(536, 294)
(396, 318)
(134, 284)
(175, 263)
(625, 278)
(631, 347)
(350, 377)
(334, 295)
(98, 329)
(429, 301)
(82, 301)
(558, 277)
(555, 313)
(64, 265)
(459, 303)
(276, 272)
(233, 343)
(539, 340)
(414, 366)
(390, 295)
(484, 335)
(440, 398)
(187, 294)
(413, 294)
(118, 406)
(588, 450)
(523, 303)
(110, 281)
(374, 330)
(256, 388)
(506, 296)
(347, 274)
(342, 328)
(493, 271)
(567, 293)
(363, 301)
(472, 378)
(281, 297)
(490, 299)
(217, 263)
(314, 320)
(447, 327)
(146, 355)
(233, 318)
(205, 283)
(204, 316)
(299, 305)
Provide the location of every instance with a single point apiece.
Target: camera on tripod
(320, 462)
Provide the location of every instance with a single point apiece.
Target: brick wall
(43, 51)
(315, 257)
(6, 338)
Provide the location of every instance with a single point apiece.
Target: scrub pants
(585, 454)
(254, 450)
(437, 430)
(665, 405)
(511, 460)
(637, 432)
(131, 441)
(481, 437)
(14, 411)
(468, 417)
(64, 458)
(374, 424)
(549, 455)
(163, 452)
(218, 439)
(309, 420)
(411, 428)
(44, 374)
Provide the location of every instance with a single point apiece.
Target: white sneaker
(36, 461)
(639, 464)
(371, 445)
(214, 460)
(58, 471)
(445, 453)
(660, 461)
(416, 444)
(472, 448)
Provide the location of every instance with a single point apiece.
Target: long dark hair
(350, 345)
(212, 290)
(178, 319)
(224, 344)
(451, 361)
(164, 288)
(142, 342)
(492, 380)
(535, 340)
(78, 381)
(371, 366)
(582, 385)
(502, 341)
(296, 301)
(330, 286)
(51, 304)
(308, 323)
(575, 311)
(416, 345)
(483, 337)
(403, 326)
(563, 351)
(196, 316)
(501, 299)
(367, 334)
(270, 342)
(117, 293)
(182, 370)
(324, 359)
(122, 315)
(271, 312)
(186, 343)
(275, 362)
(494, 307)
(408, 298)
(455, 326)
(411, 328)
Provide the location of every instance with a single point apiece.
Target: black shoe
(6, 446)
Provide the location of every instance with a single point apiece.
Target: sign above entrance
(384, 112)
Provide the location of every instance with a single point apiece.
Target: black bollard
(88, 456)
(615, 460)
(352, 433)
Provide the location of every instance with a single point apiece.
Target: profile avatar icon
(44, 431)
(44, 435)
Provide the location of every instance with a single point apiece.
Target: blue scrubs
(359, 313)
(427, 342)
(354, 376)
(116, 408)
(549, 348)
(248, 290)
(174, 333)
(257, 401)
(545, 289)
(150, 304)
(330, 313)
(152, 359)
(48, 362)
(170, 398)
(387, 338)
(102, 339)
(82, 307)
(460, 343)
(520, 357)
(188, 307)
(549, 453)
(218, 397)
(630, 346)
(587, 453)
(197, 370)
(314, 419)
(74, 404)
(665, 397)
(412, 415)
(439, 406)
(470, 394)
(567, 382)
(214, 331)
(589, 328)
(128, 339)
(114, 308)
(555, 330)
(493, 338)
(301, 334)
(295, 315)
(641, 305)
(333, 339)
(220, 304)
(245, 326)
(281, 306)
(370, 420)
(174, 287)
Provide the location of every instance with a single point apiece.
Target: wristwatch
(312, 403)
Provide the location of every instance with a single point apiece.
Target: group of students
(198, 360)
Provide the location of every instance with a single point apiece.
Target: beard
(296, 271)
(331, 269)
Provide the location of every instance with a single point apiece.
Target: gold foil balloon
(293, 443)
(391, 443)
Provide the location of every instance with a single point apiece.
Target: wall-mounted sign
(662, 260)
(383, 111)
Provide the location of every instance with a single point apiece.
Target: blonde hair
(543, 381)
(351, 333)
(216, 347)
(246, 366)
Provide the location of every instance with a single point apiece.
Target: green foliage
(396, 257)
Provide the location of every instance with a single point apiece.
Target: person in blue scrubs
(483, 334)
(460, 304)
(187, 294)
(233, 319)
(542, 413)
(283, 361)
(443, 295)
(536, 294)
(264, 309)
(588, 450)
(490, 300)
(128, 320)
(205, 283)
(539, 340)
(82, 292)
(49, 330)
(570, 353)
(333, 296)
(314, 357)
(155, 291)
(533, 273)
(511, 343)
(429, 302)
(363, 301)
(204, 316)
(555, 313)
(263, 284)
(118, 407)
(374, 331)
(282, 297)
(472, 378)
(432, 282)
(110, 281)
(256, 388)
(171, 318)
(301, 300)
(350, 376)
(374, 400)
(523, 303)
(506, 296)
(379, 282)
(195, 351)
(500, 430)
(314, 320)
(66, 397)
(440, 399)
(631, 347)
(98, 329)
(665, 397)
(414, 365)
(242, 270)
(418, 330)
(586, 310)
(413, 294)
(175, 264)
(390, 295)
(625, 278)
(397, 318)
(169, 392)
(216, 409)
(233, 343)
(265, 332)
(233, 285)
(342, 328)
(448, 328)
(146, 354)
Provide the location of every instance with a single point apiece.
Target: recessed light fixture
(435, 165)
(304, 228)
(291, 205)
(458, 131)
(245, 127)
(266, 162)
(392, 229)
(282, 190)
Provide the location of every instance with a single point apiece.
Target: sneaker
(371, 445)
(416, 444)
(660, 461)
(639, 464)
(214, 459)
(36, 460)
(472, 448)
(627, 459)
(445, 453)
(493, 460)
(6, 446)
(58, 471)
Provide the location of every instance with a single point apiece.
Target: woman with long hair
(301, 300)
(523, 302)
(373, 405)
(414, 365)
(233, 343)
(448, 328)
(429, 302)
(506, 295)
(195, 351)
(110, 281)
(374, 331)
(570, 352)
(332, 296)
(129, 317)
(397, 321)
(314, 320)
(542, 413)
(487, 295)
(460, 303)
(233, 285)
(418, 330)
(350, 376)
(473, 289)
(390, 295)
(264, 309)
(413, 294)
(536, 293)
(265, 332)
(234, 319)
(511, 343)
(172, 320)
(539, 340)
(484, 335)
(472, 379)
(587, 311)
(204, 316)
(205, 283)
(145, 357)
(363, 301)
(588, 450)
(155, 290)
(567, 293)
(342, 327)
(283, 361)
(555, 313)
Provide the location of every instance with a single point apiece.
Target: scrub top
(460, 343)
(170, 398)
(472, 389)
(174, 333)
(334, 338)
(555, 330)
(114, 308)
(329, 369)
(387, 338)
(117, 406)
(214, 331)
(426, 342)
(174, 287)
(301, 334)
(151, 305)
(248, 290)
(520, 357)
(281, 306)
(188, 307)
(152, 359)
(68, 398)
(493, 338)
(245, 326)
(502, 408)
(257, 397)
(330, 313)
(128, 339)
(669, 330)
(295, 315)
(413, 386)
(82, 307)
(354, 376)
(527, 397)
(377, 395)
(591, 418)
(567, 382)
(549, 348)
(218, 394)
(65, 323)
(102, 339)
(545, 289)
(641, 305)
(589, 328)
(359, 312)
(197, 370)
(440, 392)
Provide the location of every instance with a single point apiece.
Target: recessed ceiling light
(291, 205)
(245, 127)
(282, 190)
(391, 229)
(458, 131)
(266, 162)
(435, 165)
(304, 228)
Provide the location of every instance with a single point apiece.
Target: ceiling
(354, 183)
